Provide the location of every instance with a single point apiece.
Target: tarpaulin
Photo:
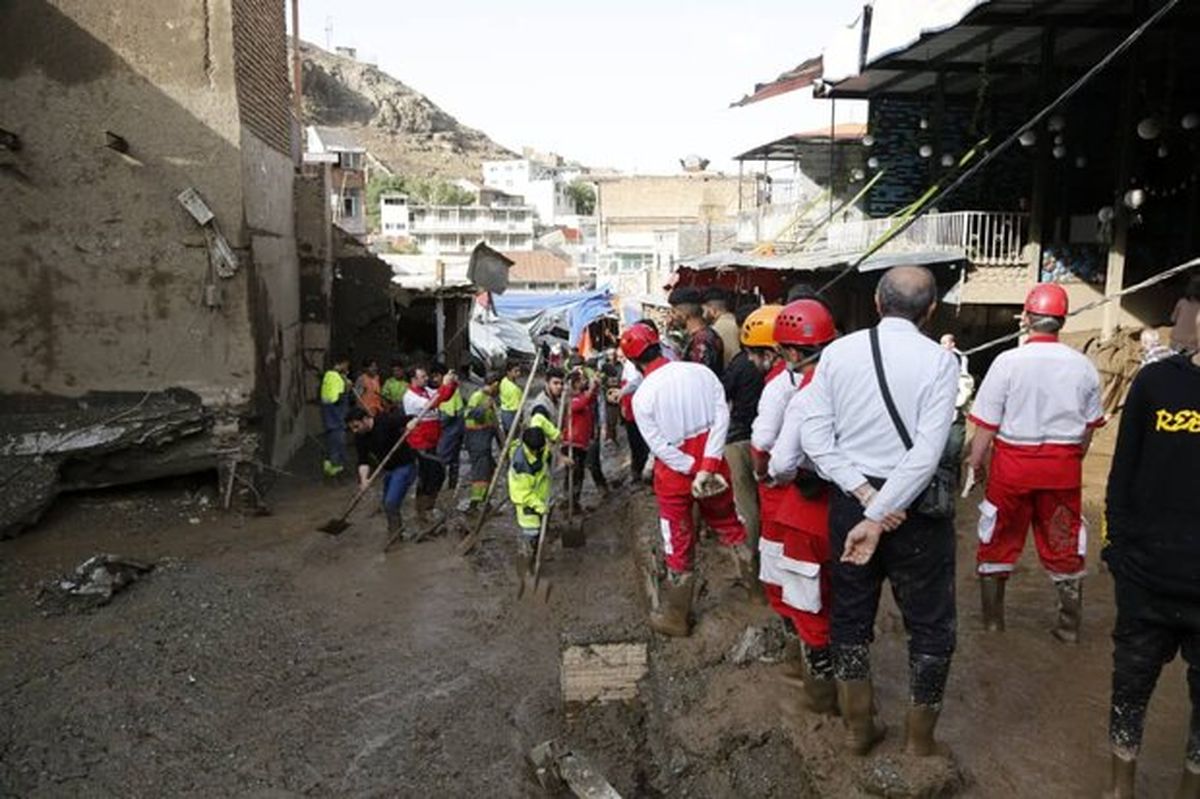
(542, 312)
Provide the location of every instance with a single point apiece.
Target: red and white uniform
(1040, 399)
(794, 547)
(429, 424)
(680, 411)
(631, 378)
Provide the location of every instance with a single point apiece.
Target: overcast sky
(631, 84)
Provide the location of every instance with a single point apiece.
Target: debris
(555, 766)
(602, 672)
(903, 777)
(767, 644)
(93, 583)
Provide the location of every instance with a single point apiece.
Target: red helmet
(1047, 299)
(637, 339)
(804, 323)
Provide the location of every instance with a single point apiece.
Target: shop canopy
(542, 312)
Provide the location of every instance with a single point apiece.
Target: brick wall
(261, 67)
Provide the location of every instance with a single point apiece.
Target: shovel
(339, 525)
(540, 588)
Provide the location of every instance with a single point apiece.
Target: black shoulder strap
(877, 357)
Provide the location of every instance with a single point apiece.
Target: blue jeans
(506, 421)
(396, 483)
(333, 419)
(450, 446)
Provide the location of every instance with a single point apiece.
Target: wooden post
(440, 324)
(1041, 165)
(1115, 275)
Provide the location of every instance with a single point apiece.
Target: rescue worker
(374, 437)
(367, 389)
(718, 313)
(394, 387)
(743, 381)
(579, 436)
(610, 368)
(421, 403)
(1154, 555)
(482, 428)
(1035, 411)
(510, 396)
(701, 343)
(454, 428)
(795, 546)
(875, 419)
(529, 490)
(680, 410)
(335, 401)
(542, 410)
(639, 453)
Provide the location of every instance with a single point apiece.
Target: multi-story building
(541, 180)
(394, 215)
(347, 160)
(451, 229)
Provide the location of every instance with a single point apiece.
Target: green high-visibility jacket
(529, 478)
(333, 386)
(393, 390)
(510, 395)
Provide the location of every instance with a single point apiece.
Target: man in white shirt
(1036, 411)
(680, 411)
(851, 436)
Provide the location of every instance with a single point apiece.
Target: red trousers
(795, 560)
(679, 534)
(1058, 530)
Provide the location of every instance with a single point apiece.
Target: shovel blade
(334, 527)
(573, 535)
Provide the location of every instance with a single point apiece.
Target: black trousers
(430, 473)
(581, 461)
(639, 451)
(917, 558)
(1150, 629)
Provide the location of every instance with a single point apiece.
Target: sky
(630, 85)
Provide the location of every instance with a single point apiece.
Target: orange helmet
(1047, 299)
(805, 323)
(759, 328)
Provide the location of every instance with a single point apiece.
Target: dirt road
(262, 658)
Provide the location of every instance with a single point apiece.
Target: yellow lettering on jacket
(1185, 421)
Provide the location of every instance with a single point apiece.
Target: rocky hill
(401, 127)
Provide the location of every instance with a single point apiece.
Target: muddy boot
(1070, 610)
(523, 563)
(991, 595)
(747, 573)
(1122, 777)
(1189, 783)
(856, 698)
(819, 694)
(918, 730)
(394, 523)
(675, 603)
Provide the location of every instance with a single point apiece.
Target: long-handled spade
(541, 588)
(340, 524)
(472, 539)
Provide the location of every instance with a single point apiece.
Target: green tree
(420, 191)
(583, 195)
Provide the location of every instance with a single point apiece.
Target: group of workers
(855, 444)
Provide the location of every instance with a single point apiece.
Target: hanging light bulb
(868, 140)
(873, 162)
(1080, 161)
(1134, 198)
(858, 175)
(947, 160)
(1058, 139)
(925, 151)
(924, 123)
(1149, 128)
(1106, 214)
(1027, 138)
(1056, 123)
(1059, 151)
(1162, 151)
(1190, 121)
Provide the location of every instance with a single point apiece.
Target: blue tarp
(542, 311)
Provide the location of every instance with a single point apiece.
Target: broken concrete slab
(93, 583)
(759, 643)
(556, 766)
(602, 672)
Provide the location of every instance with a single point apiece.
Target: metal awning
(803, 74)
(790, 148)
(822, 261)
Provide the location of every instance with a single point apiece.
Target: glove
(708, 484)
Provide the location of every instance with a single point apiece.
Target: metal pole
(832, 149)
(298, 88)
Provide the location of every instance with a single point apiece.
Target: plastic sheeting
(540, 313)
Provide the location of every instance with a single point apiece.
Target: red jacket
(581, 424)
(425, 435)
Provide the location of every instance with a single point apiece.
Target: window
(352, 204)
(350, 160)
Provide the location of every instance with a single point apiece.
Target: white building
(394, 219)
(542, 184)
(347, 161)
(449, 229)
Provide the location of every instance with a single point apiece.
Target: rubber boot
(1121, 777)
(747, 573)
(856, 698)
(675, 604)
(422, 504)
(991, 594)
(1189, 784)
(523, 562)
(819, 694)
(918, 730)
(1070, 610)
(394, 523)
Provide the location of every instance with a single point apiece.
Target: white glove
(708, 484)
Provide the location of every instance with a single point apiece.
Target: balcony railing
(989, 238)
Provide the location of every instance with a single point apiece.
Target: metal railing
(989, 238)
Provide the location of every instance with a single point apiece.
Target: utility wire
(1067, 94)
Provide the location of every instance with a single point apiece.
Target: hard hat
(1047, 299)
(636, 340)
(759, 328)
(804, 323)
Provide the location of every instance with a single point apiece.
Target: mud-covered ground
(263, 658)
